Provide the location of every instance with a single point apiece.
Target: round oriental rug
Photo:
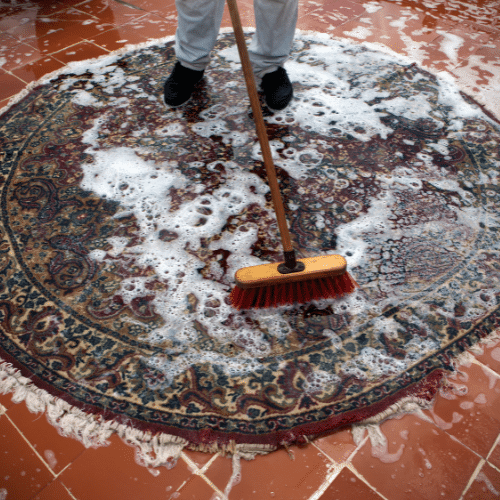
(123, 222)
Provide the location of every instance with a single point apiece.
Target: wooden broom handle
(260, 126)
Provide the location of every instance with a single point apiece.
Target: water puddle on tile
(50, 457)
(482, 478)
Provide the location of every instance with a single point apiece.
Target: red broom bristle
(293, 292)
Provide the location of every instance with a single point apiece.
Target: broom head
(264, 286)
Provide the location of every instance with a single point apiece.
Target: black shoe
(180, 84)
(277, 89)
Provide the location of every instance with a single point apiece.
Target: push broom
(294, 280)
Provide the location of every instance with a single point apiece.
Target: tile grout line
(463, 444)
(212, 485)
(145, 13)
(329, 478)
(201, 473)
(473, 477)
(69, 464)
(73, 8)
(17, 77)
(493, 466)
(454, 438)
(497, 442)
(350, 457)
(312, 443)
(475, 361)
(47, 485)
(353, 469)
(31, 446)
(68, 490)
(54, 54)
(335, 470)
(484, 367)
(209, 463)
(10, 72)
(51, 54)
(128, 5)
(482, 460)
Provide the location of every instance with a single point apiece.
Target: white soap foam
(375, 362)
(332, 108)
(359, 32)
(381, 452)
(450, 45)
(230, 54)
(495, 354)
(50, 456)
(482, 478)
(372, 7)
(143, 189)
(449, 95)
(335, 107)
(210, 127)
(414, 107)
(299, 162)
(171, 130)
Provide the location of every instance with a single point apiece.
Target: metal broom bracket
(290, 265)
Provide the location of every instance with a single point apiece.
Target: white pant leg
(272, 43)
(198, 24)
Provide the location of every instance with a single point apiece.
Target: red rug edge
(206, 440)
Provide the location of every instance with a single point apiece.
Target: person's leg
(271, 45)
(198, 24)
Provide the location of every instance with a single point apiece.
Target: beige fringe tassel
(155, 450)
(152, 450)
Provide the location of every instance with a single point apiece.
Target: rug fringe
(372, 425)
(152, 450)
(161, 449)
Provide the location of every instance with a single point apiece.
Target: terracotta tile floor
(450, 452)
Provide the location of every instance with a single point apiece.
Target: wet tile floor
(450, 451)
